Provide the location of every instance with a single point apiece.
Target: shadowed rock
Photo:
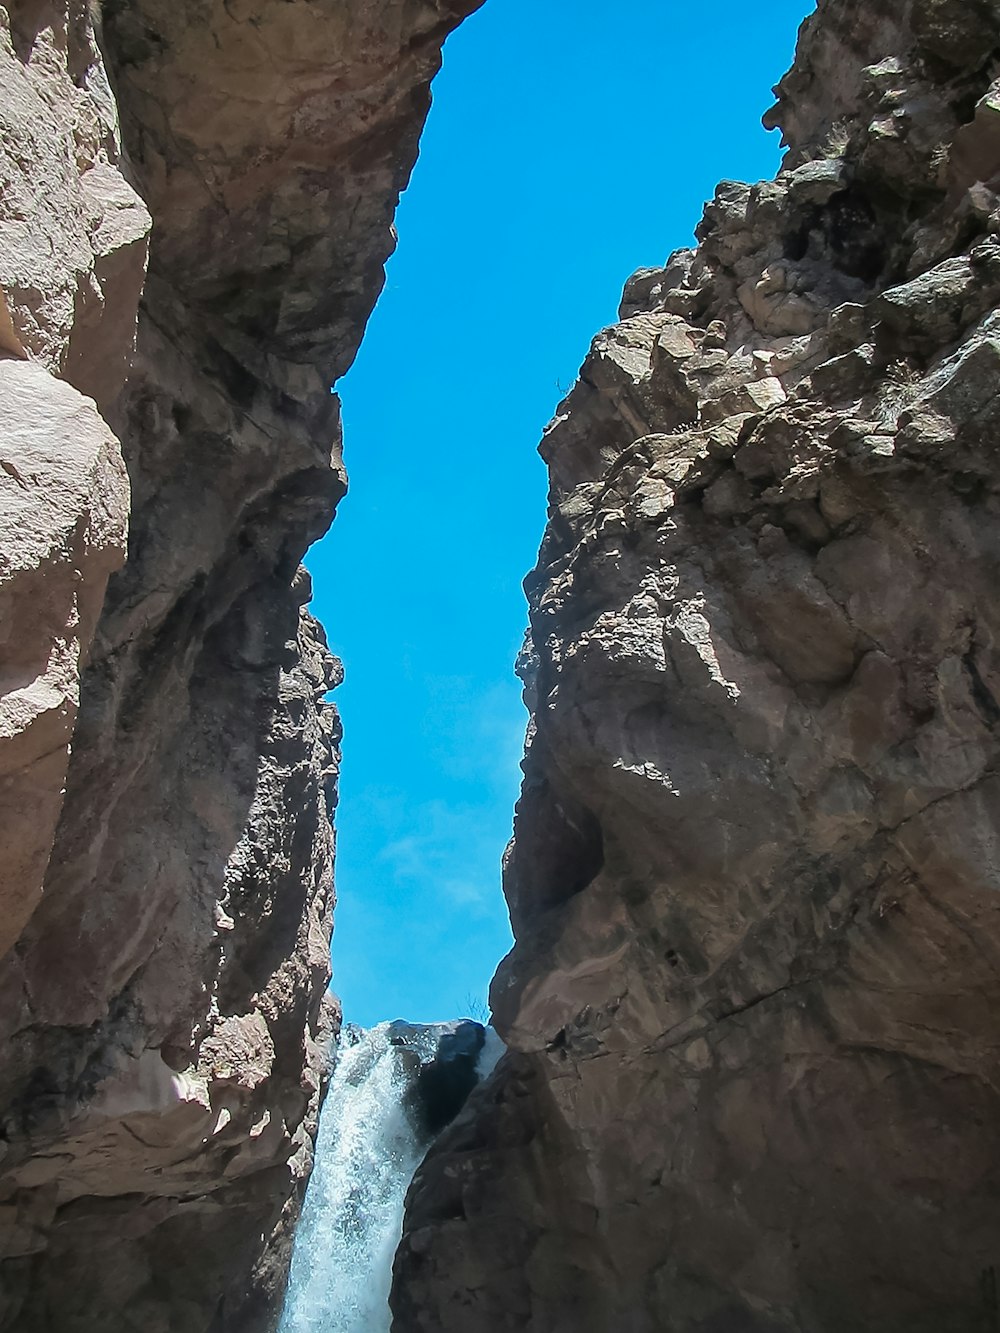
(444, 1083)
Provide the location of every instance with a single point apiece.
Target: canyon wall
(754, 1084)
(168, 763)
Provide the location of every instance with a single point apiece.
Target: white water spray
(367, 1151)
(366, 1154)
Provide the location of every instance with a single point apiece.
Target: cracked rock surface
(167, 901)
(752, 1003)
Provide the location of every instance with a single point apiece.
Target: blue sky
(571, 142)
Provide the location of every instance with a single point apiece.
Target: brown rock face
(73, 241)
(756, 868)
(162, 1021)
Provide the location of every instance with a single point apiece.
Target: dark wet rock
(444, 1083)
(447, 1060)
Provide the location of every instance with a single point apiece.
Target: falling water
(366, 1154)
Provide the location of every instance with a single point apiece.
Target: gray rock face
(753, 1083)
(162, 1020)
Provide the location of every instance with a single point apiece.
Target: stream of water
(366, 1154)
(367, 1151)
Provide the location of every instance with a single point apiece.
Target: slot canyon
(740, 1073)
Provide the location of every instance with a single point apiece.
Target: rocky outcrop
(442, 1062)
(166, 919)
(753, 1083)
(443, 1082)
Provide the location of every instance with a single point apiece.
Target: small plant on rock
(899, 390)
(837, 141)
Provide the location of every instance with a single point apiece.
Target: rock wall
(73, 245)
(167, 901)
(754, 1079)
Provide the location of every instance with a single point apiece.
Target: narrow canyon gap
(515, 239)
(433, 730)
(753, 1070)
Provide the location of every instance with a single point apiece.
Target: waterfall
(368, 1148)
(366, 1154)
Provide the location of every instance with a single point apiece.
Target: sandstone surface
(164, 950)
(754, 1084)
(73, 243)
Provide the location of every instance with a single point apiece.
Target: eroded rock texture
(755, 877)
(73, 238)
(161, 998)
